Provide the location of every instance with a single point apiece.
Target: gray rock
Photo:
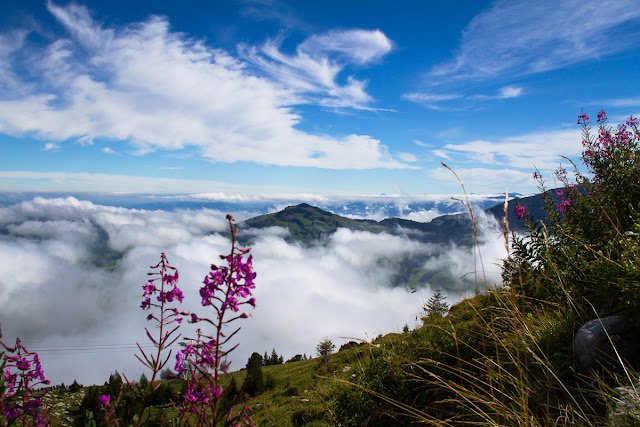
(626, 409)
(591, 343)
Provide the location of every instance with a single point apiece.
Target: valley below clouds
(72, 276)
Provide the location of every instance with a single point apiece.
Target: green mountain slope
(308, 224)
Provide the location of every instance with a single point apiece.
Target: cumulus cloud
(53, 294)
(157, 89)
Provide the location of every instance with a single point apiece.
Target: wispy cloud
(515, 38)
(456, 101)
(619, 102)
(152, 88)
(407, 157)
(314, 69)
(51, 146)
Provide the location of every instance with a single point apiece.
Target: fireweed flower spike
(226, 290)
(521, 212)
(19, 400)
(166, 293)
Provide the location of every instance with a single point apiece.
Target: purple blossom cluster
(610, 143)
(22, 373)
(521, 211)
(563, 205)
(234, 282)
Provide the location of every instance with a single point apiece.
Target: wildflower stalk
(168, 315)
(225, 289)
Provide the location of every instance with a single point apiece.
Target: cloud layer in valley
(55, 297)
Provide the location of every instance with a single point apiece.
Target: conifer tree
(255, 381)
(436, 305)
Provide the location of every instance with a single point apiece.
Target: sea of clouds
(85, 320)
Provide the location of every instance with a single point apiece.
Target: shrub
(585, 255)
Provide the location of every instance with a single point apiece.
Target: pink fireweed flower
(149, 289)
(562, 206)
(27, 374)
(103, 400)
(521, 212)
(23, 365)
(559, 192)
(583, 119)
(602, 116)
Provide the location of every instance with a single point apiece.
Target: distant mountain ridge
(308, 223)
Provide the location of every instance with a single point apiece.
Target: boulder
(592, 344)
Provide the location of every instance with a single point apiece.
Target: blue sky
(334, 98)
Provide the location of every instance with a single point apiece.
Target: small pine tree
(115, 385)
(265, 359)
(274, 357)
(143, 380)
(324, 349)
(436, 305)
(166, 374)
(405, 328)
(255, 380)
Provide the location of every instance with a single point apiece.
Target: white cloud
(51, 146)
(477, 179)
(505, 92)
(9, 44)
(108, 150)
(490, 252)
(510, 92)
(431, 98)
(514, 38)
(407, 157)
(79, 182)
(423, 215)
(46, 270)
(441, 153)
(443, 101)
(314, 69)
(161, 90)
(537, 149)
(620, 102)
